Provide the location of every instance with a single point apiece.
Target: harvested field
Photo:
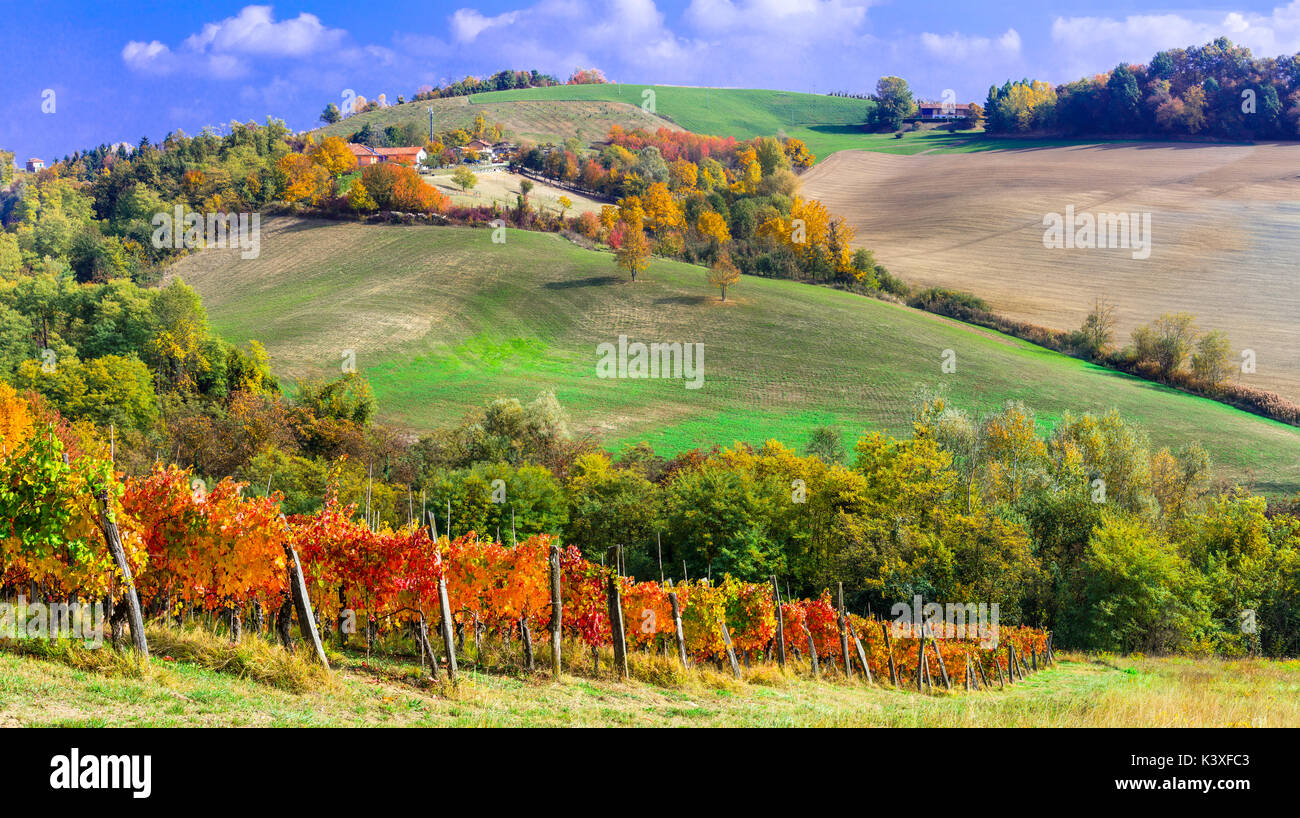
(1225, 223)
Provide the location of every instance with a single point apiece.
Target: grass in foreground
(392, 691)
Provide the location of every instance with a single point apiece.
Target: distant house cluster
(367, 156)
(942, 110)
(485, 151)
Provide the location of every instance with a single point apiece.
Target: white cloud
(962, 47)
(222, 49)
(151, 56)
(255, 31)
(466, 24)
(790, 16)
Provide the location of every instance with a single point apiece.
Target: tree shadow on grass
(683, 299)
(592, 281)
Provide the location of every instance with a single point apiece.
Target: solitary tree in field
(464, 177)
(723, 274)
(633, 255)
(565, 203)
(894, 103)
(1098, 328)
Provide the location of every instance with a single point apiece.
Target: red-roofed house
(402, 156)
(364, 155)
(35, 164)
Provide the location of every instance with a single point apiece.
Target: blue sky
(122, 71)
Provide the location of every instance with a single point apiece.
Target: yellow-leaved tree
(723, 273)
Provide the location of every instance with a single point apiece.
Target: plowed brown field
(1225, 227)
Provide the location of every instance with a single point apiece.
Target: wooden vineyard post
(1050, 655)
(306, 620)
(731, 653)
(889, 651)
(844, 634)
(862, 654)
(426, 649)
(979, 665)
(444, 603)
(1033, 657)
(113, 539)
(920, 664)
(997, 663)
(614, 597)
(527, 639)
(812, 651)
(943, 670)
(925, 663)
(556, 610)
(677, 628)
(1011, 662)
(780, 624)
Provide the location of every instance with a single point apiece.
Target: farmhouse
(35, 164)
(402, 156)
(364, 155)
(367, 156)
(942, 110)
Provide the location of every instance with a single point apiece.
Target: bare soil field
(1225, 222)
(501, 187)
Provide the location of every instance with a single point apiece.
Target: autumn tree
(301, 179)
(1166, 342)
(661, 209)
(712, 226)
(723, 273)
(332, 154)
(633, 255)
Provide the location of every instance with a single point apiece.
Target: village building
(929, 111)
(402, 156)
(34, 164)
(367, 156)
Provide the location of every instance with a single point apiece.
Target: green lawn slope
(441, 320)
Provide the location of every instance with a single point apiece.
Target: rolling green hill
(536, 120)
(825, 123)
(442, 320)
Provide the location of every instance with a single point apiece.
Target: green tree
(1210, 363)
(612, 506)
(894, 103)
(1137, 592)
(464, 177)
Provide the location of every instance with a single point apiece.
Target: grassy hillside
(541, 121)
(826, 124)
(442, 319)
(740, 112)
